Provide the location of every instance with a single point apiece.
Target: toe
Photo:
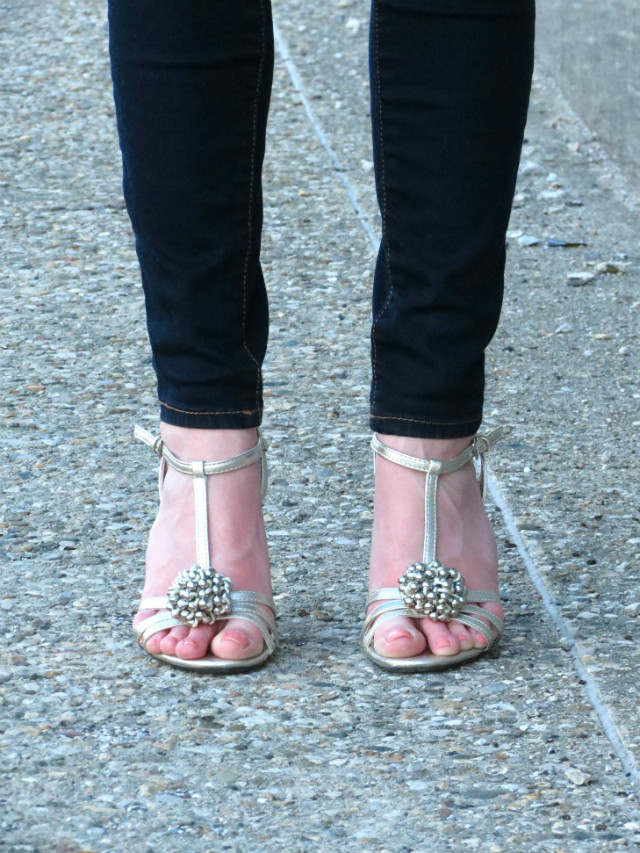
(170, 641)
(441, 640)
(238, 640)
(465, 637)
(195, 644)
(399, 638)
(153, 645)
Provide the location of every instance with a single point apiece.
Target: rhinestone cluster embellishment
(433, 591)
(199, 595)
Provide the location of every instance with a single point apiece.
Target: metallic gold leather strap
(480, 627)
(385, 593)
(153, 602)
(390, 593)
(481, 444)
(160, 621)
(200, 469)
(384, 611)
(482, 612)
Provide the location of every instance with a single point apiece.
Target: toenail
(239, 638)
(399, 634)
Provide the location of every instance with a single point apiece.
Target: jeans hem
(421, 428)
(236, 419)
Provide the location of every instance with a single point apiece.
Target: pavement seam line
(283, 50)
(591, 689)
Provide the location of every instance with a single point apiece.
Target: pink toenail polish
(399, 635)
(239, 639)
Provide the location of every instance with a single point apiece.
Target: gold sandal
(200, 595)
(428, 589)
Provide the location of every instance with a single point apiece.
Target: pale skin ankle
(210, 445)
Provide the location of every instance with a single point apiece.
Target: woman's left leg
(450, 89)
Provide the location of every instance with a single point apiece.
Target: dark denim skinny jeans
(450, 83)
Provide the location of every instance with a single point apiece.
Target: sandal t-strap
(200, 594)
(428, 589)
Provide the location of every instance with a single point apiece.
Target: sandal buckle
(479, 446)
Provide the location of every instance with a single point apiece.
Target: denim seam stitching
(383, 211)
(251, 201)
(422, 420)
(230, 412)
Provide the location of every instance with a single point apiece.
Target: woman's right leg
(192, 82)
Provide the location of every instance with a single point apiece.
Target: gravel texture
(103, 749)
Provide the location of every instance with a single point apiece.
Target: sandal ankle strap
(206, 469)
(478, 449)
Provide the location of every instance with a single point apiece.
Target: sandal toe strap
(258, 617)
(391, 605)
(482, 612)
(384, 611)
(160, 621)
(154, 602)
(246, 604)
(477, 625)
(385, 593)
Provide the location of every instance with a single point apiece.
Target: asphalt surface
(533, 748)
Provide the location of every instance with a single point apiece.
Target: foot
(465, 541)
(237, 541)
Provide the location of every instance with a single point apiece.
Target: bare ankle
(210, 445)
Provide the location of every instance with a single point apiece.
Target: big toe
(238, 640)
(398, 638)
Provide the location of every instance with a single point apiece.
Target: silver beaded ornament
(433, 591)
(199, 595)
